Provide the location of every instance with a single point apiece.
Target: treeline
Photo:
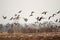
(31, 28)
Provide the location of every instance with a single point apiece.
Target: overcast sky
(11, 7)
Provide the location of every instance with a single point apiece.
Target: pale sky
(10, 7)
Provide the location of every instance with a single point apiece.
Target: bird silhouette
(20, 11)
(14, 18)
(56, 20)
(49, 17)
(53, 15)
(44, 12)
(41, 18)
(58, 12)
(32, 13)
(59, 20)
(25, 19)
(15, 14)
(37, 18)
(11, 18)
(17, 17)
(4, 17)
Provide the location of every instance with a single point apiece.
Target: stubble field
(30, 36)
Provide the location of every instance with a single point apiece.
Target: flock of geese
(38, 18)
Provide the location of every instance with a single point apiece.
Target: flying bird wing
(20, 11)
(58, 12)
(32, 13)
(37, 18)
(4, 17)
(53, 15)
(56, 20)
(59, 20)
(44, 12)
(49, 17)
(15, 14)
(41, 18)
(11, 18)
(17, 17)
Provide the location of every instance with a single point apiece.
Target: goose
(32, 13)
(4, 17)
(44, 12)
(58, 12)
(20, 11)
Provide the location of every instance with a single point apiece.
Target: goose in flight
(59, 20)
(44, 12)
(58, 12)
(56, 20)
(15, 14)
(49, 17)
(41, 18)
(11, 18)
(25, 19)
(53, 15)
(20, 11)
(37, 20)
(32, 13)
(4, 17)
(17, 17)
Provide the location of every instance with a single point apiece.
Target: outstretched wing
(20, 11)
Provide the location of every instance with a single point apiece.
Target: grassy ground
(30, 36)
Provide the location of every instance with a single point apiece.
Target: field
(30, 36)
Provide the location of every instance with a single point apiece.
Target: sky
(10, 7)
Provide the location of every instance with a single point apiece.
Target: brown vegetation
(30, 36)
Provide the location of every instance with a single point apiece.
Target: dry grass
(30, 36)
